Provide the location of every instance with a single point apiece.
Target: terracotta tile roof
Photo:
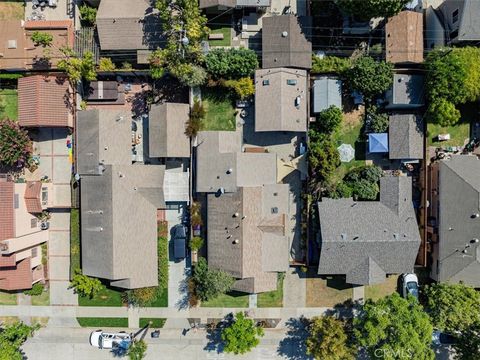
(43, 101)
(7, 212)
(32, 197)
(18, 277)
(7, 260)
(404, 37)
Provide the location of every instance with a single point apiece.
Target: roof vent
(106, 147)
(284, 34)
(101, 229)
(475, 215)
(244, 217)
(120, 118)
(229, 236)
(344, 236)
(235, 241)
(275, 210)
(356, 237)
(236, 214)
(395, 235)
(121, 175)
(135, 188)
(474, 241)
(229, 171)
(221, 190)
(450, 228)
(12, 44)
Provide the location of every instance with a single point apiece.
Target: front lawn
(106, 297)
(459, 133)
(227, 34)
(41, 300)
(272, 298)
(230, 300)
(162, 251)
(74, 241)
(156, 322)
(102, 322)
(7, 298)
(378, 291)
(220, 112)
(327, 291)
(9, 104)
(12, 10)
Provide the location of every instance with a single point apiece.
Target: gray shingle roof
(128, 25)
(405, 136)
(167, 130)
(459, 197)
(408, 91)
(233, 3)
(327, 91)
(218, 152)
(468, 23)
(285, 43)
(260, 228)
(368, 239)
(276, 93)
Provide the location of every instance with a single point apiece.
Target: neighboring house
(21, 235)
(405, 134)
(17, 51)
(166, 124)
(404, 38)
(326, 92)
(281, 100)
(368, 240)
(222, 166)
(286, 42)
(455, 221)
(129, 26)
(223, 5)
(247, 235)
(407, 92)
(119, 201)
(44, 101)
(453, 22)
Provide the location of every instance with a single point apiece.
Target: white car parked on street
(108, 340)
(409, 285)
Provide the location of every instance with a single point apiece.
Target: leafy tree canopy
(369, 77)
(468, 345)
(323, 156)
(452, 307)
(330, 64)
(328, 120)
(15, 144)
(88, 14)
(85, 285)
(40, 38)
(188, 74)
(243, 87)
(231, 63)
(394, 328)
(138, 350)
(242, 335)
(328, 340)
(378, 122)
(210, 283)
(367, 9)
(12, 337)
(77, 68)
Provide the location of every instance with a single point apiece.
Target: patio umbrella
(347, 152)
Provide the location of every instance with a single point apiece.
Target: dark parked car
(179, 236)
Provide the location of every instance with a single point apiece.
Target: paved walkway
(294, 289)
(359, 294)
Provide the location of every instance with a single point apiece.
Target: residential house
(286, 42)
(18, 52)
(326, 92)
(247, 235)
(404, 38)
(119, 201)
(405, 134)
(132, 27)
(167, 123)
(280, 100)
(44, 101)
(213, 6)
(21, 234)
(453, 22)
(454, 220)
(407, 92)
(368, 240)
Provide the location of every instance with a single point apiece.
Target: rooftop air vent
(275, 210)
(12, 44)
(284, 34)
(236, 214)
(229, 171)
(235, 241)
(343, 236)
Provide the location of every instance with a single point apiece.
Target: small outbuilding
(327, 91)
(378, 143)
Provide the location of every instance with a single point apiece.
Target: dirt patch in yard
(378, 291)
(12, 10)
(327, 291)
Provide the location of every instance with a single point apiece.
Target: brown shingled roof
(43, 101)
(404, 37)
(18, 277)
(7, 213)
(32, 197)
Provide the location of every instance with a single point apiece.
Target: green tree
(323, 156)
(241, 335)
(452, 307)
(365, 190)
(106, 64)
(231, 63)
(329, 120)
(88, 14)
(394, 328)
(40, 38)
(243, 87)
(197, 114)
(85, 285)
(328, 340)
(210, 283)
(367, 9)
(189, 75)
(378, 121)
(196, 243)
(77, 68)
(15, 144)
(468, 345)
(137, 350)
(36, 290)
(443, 112)
(140, 297)
(369, 77)
(370, 173)
(12, 337)
(330, 64)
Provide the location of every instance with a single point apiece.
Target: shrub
(189, 75)
(365, 190)
(126, 65)
(15, 144)
(231, 63)
(88, 14)
(323, 156)
(344, 190)
(210, 283)
(141, 296)
(195, 214)
(106, 64)
(370, 173)
(241, 335)
(329, 120)
(36, 290)
(196, 243)
(84, 285)
(78, 68)
(378, 121)
(443, 112)
(40, 38)
(330, 64)
(243, 87)
(197, 113)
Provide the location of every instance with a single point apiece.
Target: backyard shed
(378, 143)
(327, 91)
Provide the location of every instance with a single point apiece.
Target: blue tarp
(378, 143)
